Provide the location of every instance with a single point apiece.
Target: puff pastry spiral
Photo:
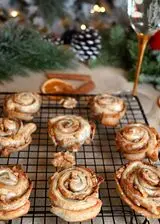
(139, 186)
(107, 109)
(15, 189)
(70, 131)
(14, 136)
(138, 141)
(23, 105)
(74, 194)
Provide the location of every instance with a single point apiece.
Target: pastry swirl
(138, 141)
(14, 135)
(74, 194)
(15, 189)
(70, 131)
(107, 109)
(139, 186)
(23, 105)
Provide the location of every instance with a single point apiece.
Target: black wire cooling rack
(101, 156)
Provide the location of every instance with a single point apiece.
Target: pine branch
(50, 9)
(22, 49)
(150, 64)
(113, 48)
(120, 49)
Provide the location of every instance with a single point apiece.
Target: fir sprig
(50, 9)
(113, 51)
(23, 49)
(120, 49)
(150, 64)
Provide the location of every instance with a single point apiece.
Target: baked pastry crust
(107, 109)
(138, 141)
(74, 194)
(63, 160)
(70, 131)
(15, 189)
(68, 102)
(139, 186)
(14, 135)
(23, 105)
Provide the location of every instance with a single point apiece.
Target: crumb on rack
(68, 102)
(63, 160)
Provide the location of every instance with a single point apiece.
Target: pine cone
(86, 44)
(52, 38)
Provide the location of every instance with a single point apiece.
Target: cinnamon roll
(14, 135)
(74, 194)
(107, 109)
(138, 141)
(70, 131)
(22, 105)
(139, 186)
(15, 189)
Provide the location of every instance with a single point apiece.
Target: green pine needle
(113, 51)
(50, 9)
(120, 49)
(22, 49)
(150, 64)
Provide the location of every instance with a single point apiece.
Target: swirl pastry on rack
(14, 136)
(70, 131)
(139, 186)
(107, 109)
(22, 105)
(15, 189)
(138, 141)
(74, 194)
